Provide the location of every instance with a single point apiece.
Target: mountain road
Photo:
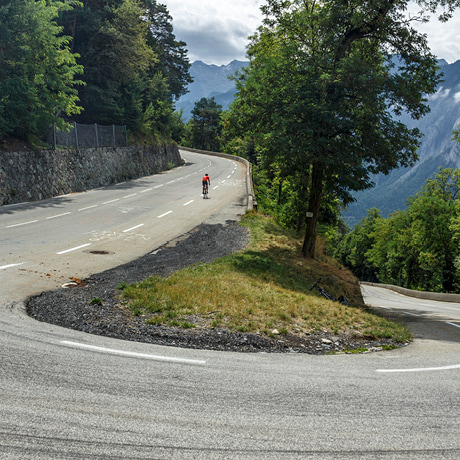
(65, 394)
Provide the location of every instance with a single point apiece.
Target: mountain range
(209, 81)
(390, 192)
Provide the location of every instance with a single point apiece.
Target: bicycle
(342, 299)
(205, 191)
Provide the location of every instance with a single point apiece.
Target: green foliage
(418, 248)
(133, 65)
(172, 63)
(320, 94)
(37, 69)
(204, 128)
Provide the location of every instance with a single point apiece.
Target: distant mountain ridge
(392, 191)
(437, 149)
(210, 81)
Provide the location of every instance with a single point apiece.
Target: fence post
(97, 137)
(76, 134)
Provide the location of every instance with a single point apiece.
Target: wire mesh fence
(89, 136)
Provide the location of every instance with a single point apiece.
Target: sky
(217, 31)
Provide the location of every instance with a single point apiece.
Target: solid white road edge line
(420, 369)
(73, 249)
(447, 322)
(132, 354)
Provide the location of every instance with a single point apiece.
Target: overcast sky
(217, 31)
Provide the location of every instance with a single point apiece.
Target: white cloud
(457, 97)
(441, 93)
(217, 31)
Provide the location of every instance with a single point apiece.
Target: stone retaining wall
(36, 175)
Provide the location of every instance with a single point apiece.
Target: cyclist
(206, 183)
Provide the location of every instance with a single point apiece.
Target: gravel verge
(73, 308)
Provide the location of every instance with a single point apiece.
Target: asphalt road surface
(69, 395)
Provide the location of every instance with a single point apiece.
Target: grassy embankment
(263, 289)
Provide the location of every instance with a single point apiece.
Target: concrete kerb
(251, 199)
(417, 294)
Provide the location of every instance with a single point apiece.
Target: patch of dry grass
(264, 289)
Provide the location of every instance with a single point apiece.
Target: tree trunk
(302, 205)
(280, 191)
(316, 192)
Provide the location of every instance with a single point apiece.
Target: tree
(352, 250)
(418, 248)
(173, 62)
(323, 91)
(134, 67)
(111, 37)
(205, 126)
(37, 70)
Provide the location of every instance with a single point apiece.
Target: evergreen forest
(94, 61)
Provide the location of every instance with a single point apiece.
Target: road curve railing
(417, 294)
(251, 199)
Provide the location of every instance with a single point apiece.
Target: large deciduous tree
(323, 91)
(37, 68)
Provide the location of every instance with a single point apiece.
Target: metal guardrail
(417, 294)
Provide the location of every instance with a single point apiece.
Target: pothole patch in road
(103, 253)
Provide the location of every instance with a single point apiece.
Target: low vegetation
(264, 289)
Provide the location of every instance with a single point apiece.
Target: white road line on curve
(58, 215)
(132, 228)
(73, 249)
(129, 196)
(188, 202)
(447, 322)
(132, 354)
(158, 186)
(146, 190)
(23, 223)
(409, 313)
(420, 369)
(165, 214)
(111, 201)
(4, 267)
